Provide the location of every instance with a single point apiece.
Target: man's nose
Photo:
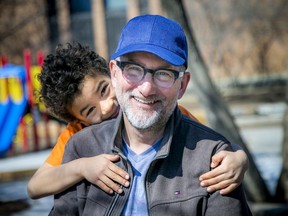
(147, 86)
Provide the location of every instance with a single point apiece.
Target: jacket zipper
(146, 182)
(111, 208)
(112, 205)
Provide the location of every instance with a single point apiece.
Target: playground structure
(25, 125)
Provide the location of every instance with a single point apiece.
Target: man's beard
(142, 119)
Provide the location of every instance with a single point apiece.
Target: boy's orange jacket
(56, 155)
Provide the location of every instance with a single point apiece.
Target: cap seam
(152, 29)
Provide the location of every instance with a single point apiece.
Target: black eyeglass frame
(177, 74)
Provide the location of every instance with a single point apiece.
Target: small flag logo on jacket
(177, 192)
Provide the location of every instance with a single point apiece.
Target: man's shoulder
(104, 128)
(193, 127)
(93, 140)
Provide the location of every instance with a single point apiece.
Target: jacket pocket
(194, 205)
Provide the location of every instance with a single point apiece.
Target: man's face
(145, 105)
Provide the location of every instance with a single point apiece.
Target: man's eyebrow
(164, 65)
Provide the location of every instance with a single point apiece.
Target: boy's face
(97, 101)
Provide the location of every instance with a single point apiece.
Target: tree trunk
(63, 18)
(99, 28)
(218, 114)
(132, 9)
(282, 187)
(155, 7)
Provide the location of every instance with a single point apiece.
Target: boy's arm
(234, 203)
(52, 177)
(228, 170)
(228, 167)
(99, 170)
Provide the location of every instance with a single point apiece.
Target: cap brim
(162, 53)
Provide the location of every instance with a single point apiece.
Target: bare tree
(20, 30)
(242, 38)
(282, 187)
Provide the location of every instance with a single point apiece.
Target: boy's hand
(101, 171)
(228, 169)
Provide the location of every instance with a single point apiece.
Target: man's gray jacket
(172, 180)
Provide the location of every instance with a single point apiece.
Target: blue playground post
(12, 105)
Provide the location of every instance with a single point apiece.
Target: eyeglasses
(163, 77)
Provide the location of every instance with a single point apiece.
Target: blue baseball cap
(155, 34)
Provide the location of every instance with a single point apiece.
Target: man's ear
(113, 69)
(184, 83)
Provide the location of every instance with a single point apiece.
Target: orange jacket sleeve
(187, 113)
(56, 155)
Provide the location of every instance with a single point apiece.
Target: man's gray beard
(139, 120)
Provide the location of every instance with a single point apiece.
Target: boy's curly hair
(64, 72)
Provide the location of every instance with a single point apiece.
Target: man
(163, 151)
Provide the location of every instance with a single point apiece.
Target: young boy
(76, 87)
